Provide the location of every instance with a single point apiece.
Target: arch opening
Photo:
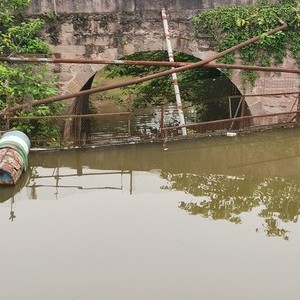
(207, 95)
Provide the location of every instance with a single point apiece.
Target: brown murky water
(211, 219)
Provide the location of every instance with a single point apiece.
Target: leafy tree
(23, 83)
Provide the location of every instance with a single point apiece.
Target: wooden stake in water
(174, 75)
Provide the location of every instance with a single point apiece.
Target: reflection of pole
(12, 213)
(174, 75)
(131, 185)
(57, 182)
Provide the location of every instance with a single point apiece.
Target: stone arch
(89, 71)
(73, 77)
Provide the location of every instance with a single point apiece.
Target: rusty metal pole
(162, 121)
(7, 120)
(129, 124)
(230, 109)
(298, 109)
(17, 60)
(243, 109)
(235, 114)
(174, 75)
(146, 78)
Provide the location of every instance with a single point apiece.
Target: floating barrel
(14, 149)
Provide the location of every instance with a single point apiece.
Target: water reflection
(7, 192)
(222, 178)
(228, 197)
(58, 181)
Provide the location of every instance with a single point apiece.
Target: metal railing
(242, 122)
(238, 120)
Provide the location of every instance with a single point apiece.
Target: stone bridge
(114, 29)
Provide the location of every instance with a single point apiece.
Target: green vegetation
(23, 83)
(228, 26)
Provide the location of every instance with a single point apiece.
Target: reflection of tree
(227, 199)
(281, 199)
(229, 196)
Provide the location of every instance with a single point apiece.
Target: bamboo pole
(54, 7)
(174, 75)
(146, 78)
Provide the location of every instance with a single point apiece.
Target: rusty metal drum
(17, 140)
(11, 166)
(14, 149)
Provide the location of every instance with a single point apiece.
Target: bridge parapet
(39, 7)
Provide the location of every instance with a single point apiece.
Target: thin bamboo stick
(174, 75)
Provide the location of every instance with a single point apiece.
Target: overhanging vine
(228, 26)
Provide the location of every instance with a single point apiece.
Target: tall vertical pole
(230, 109)
(54, 6)
(162, 122)
(298, 108)
(243, 109)
(7, 120)
(174, 75)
